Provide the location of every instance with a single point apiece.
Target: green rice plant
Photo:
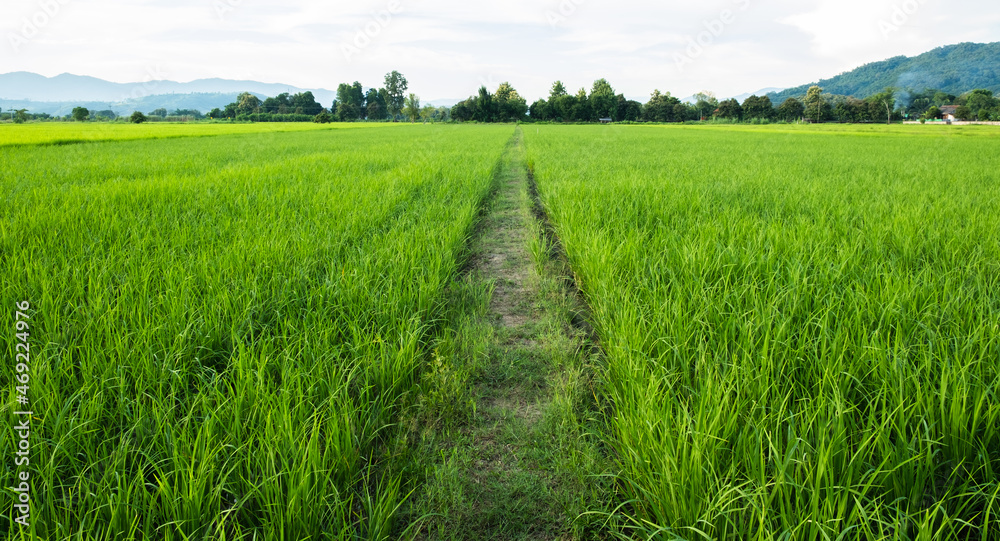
(223, 328)
(539, 246)
(800, 324)
(446, 397)
(63, 133)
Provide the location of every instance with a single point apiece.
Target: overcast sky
(448, 48)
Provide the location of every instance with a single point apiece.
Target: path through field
(518, 469)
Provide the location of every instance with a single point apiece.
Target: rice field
(222, 328)
(63, 133)
(800, 325)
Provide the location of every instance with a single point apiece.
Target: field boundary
(583, 319)
(499, 429)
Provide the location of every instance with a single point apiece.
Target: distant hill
(692, 99)
(953, 69)
(443, 102)
(201, 102)
(742, 97)
(59, 94)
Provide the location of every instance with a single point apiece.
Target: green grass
(223, 330)
(801, 324)
(265, 334)
(61, 133)
(498, 447)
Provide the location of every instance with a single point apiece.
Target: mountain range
(740, 98)
(954, 69)
(60, 94)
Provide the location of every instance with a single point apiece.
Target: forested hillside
(954, 69)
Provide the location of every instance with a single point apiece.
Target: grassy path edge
(496, 444)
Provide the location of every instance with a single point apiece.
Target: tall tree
(684, 112)
(412, 108)
(885, 102)
(980, 99)
(706, 104)
(582, 111)
(791, 110)
(538, 110)
(305, 103)
(428, 112)
(758, 107)
(943, 98)
(626, 109)
(80, 114)
(484, 110)
(350, 102)
(558, 89)
(510, 106)
(463, 111)
(375, 105)
(358, 94)
(561, 105)
(395, 87)
(660, 107)
(603, 101)
(850, 110)
(730, 109)
(247, 103)
(817, 108)
(278, 105)
(632, 111)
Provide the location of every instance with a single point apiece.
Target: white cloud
(446, 48)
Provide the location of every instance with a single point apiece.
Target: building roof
(949, 109)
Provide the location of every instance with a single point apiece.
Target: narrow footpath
(513, 463)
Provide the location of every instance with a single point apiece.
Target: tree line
(353, 103)
(83, 114)
(893, 105)
(601, 103)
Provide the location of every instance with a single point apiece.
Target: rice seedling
(62, 133)
(801, 324)
(223, 329)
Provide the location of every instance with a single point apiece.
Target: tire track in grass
(497, 431)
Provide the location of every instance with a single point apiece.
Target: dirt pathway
(517, 467)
